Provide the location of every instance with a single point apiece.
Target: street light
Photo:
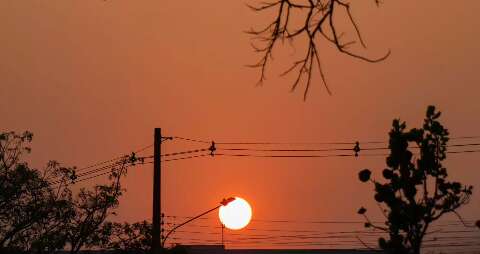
(224, 202)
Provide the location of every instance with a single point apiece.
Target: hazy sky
(92, 79)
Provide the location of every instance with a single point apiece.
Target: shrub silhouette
(416, 191)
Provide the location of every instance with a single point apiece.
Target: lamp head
(225, 202)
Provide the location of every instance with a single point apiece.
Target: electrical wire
(317, 238)
(115, 161)
(313, 221)
(143, 149)
(96, 170)
(301, 143)
(339, 239)
(181, 158)
(192, 140)
(322, 156)
(282, 156)
(297, 150)
(328, 149)
(178, 153)
(99, 163)
(109, 167)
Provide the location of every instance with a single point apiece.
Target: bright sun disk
(236, 214)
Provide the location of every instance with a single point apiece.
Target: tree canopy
(38, 211)
(416, 190)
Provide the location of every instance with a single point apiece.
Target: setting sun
(236, 215)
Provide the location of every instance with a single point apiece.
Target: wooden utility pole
(157, 190)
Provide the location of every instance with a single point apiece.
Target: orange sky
(92, 79)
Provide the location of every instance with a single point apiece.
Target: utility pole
(223, 227)
(157, 190)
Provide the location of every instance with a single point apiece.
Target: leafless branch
(318, 17)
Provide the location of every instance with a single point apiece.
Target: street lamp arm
(188, 221)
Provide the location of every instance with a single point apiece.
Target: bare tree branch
(318, 17)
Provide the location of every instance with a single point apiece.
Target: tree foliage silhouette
(305, 21)
(38, 216)
(135, 238)
(30, 208)
(88, 226)
(416, 191)
(126, 237)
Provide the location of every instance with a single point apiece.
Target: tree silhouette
(416, 191)
(29, 207)
(305, 21)
(41, 215)
(135, 238)
(126, 237)
(88, 227)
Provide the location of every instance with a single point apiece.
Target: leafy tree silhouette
(88, 227)
(416, 191)
(38, 216)
(126, 237)
(134, 238)
(29, 207)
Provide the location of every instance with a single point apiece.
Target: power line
(105, 170)
(313, 221)
(112, 163)
(99, 163)
(82, 179)
(328, 149)
(338, 239)
(182, 158)
(300, 143)
(296, 150)
(100, 169)
(144, 148)
(462, 145)
(59, 179)
(346, 244)
(280, 150)
(322, 156)
(116, 159)
(178, 153)
(464, 151)
(91, 177)
(299, 240)
(247, 155)
(340, 235)
(113, 159)
(188, 157)
(192, 140)
(117, 162)
(275, 143)
(466, 137)
(282, 156)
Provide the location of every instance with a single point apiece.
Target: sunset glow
(145, 119)
(236, 215)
